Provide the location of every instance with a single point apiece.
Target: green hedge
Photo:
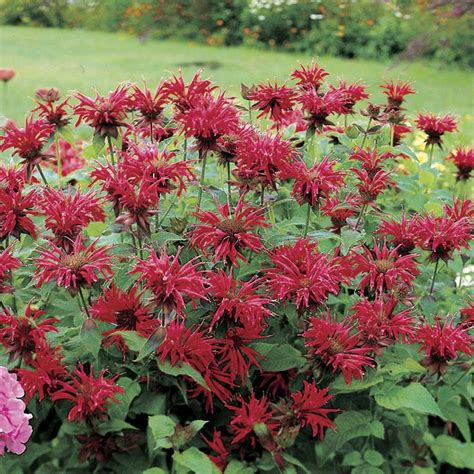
(371, 29)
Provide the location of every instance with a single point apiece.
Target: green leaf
(67, 133)
(160, 429)
(91, 337)
(405, 150)
(238, 467)
(454, 452)
(98, 143)
(427, 179)
(151, 344)
(133, 340)
(377, 429)
(374, 458)
(154, 470)
(131, 391)
(184, 369)
(369, 380)
(413, 396)
(161, 238)
(150, 403)
(354, 458)
(114, 425)
(279, 357)
(350, 238)
(292, 460)
(195, 461)
(459, 416)
(366, 469)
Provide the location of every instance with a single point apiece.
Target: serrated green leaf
(98, 143)
(349, 238)
(374, 458)
(131, 389)
(184, 369)
(91, 337)
(195, 461)
(113, 426)
(454, 452)
(354, 458)
(369, 380)
(279, 357)
(160, 429)
(238, 467)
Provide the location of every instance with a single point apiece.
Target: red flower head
(72, 270)
(237, 302)
(442, 342)
(467, 316)
(209, 119)
(228, 145)
(263, 157)
(7, 74)
(184, 96)
(125, 312)
(54, 114)
(23, 335)
(309, 77)
(293, 118)
(27, 142)
(371, 161)
(442, 235)
(403, 234)
(396, 92)
(46, 374)
(89, 395)
(252, 422)
(303, 275)
(105, 114)
(371, 186)
(68, 213)
(339, 210)
(71, 157)
(228, 234)
(47, 94)
(149, 105)
(318, 107)
(399, 131)
(380, 325)
(435, 127)
(463, 159)
(384, 268)
(170, 282)
(183, 345)
(7, 263)
(273, 100)
(307, 408)
(335, 347)
(12, 179)
(217, 445)
(351, 94)
(14, 211)
(313, 184)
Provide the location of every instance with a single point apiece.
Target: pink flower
(14, 427)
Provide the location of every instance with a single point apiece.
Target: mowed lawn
(74, 59)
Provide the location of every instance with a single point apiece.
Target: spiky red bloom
(27, 142)
(209, 119)
(184, 96)
(217, 445)
(105, 114)
(307, 407)
(23, 335)
(370, 159)
(351, 94)
(252, 422)
(435, 126)
(272, 99)
(399, 131)
(467, 316)
(309, 77)
(339, 210)
(89, 395)
(68, 213)
(371, 186)
(442, 235)
(14, 211)
(396, 91)
(149, 104)
(303, 275)
(383, 268)
(313, 184)
(72, 270)
(228, 234)
(157, 166)
(46, 374)
(264, 157)
(7, 263)
(54, 114)
(463, 159)
(125, 311)
(170, 282)
(318, 107)
(333, 344)
(380, 325)
(187, 345)
(237, 302)
(72, 158)
(442, 342)
(12, 179)
(403, 234)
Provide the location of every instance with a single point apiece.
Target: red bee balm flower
(318, 107)
(403, 234)
(7, 263)
(228, 234)
(170, 282)
(351, 94)
(149, 105)
(27, 142)
(309, 77)
(217, 445)
(90, 395)
(14, 211)
(334, 345)
(435, 127)
(105, 114)
(79, 268)
(307, 406)
(442, 342)
(273, 100)
(463, 159)
(396, 92)
(383, 269)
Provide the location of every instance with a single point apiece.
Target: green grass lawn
(71, 59)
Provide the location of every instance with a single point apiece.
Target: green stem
(42, 174)
(229, 195)
(111, 150)
(151, 133)
(262, 196)
(431, 156)
(58, 159)
(434, 277)
(140, 245)
(362, 212)
(201, 181)
(185, 146)
(366, 132)
(392, 134)
(86, 309)
(308, 216)
(167, 211)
